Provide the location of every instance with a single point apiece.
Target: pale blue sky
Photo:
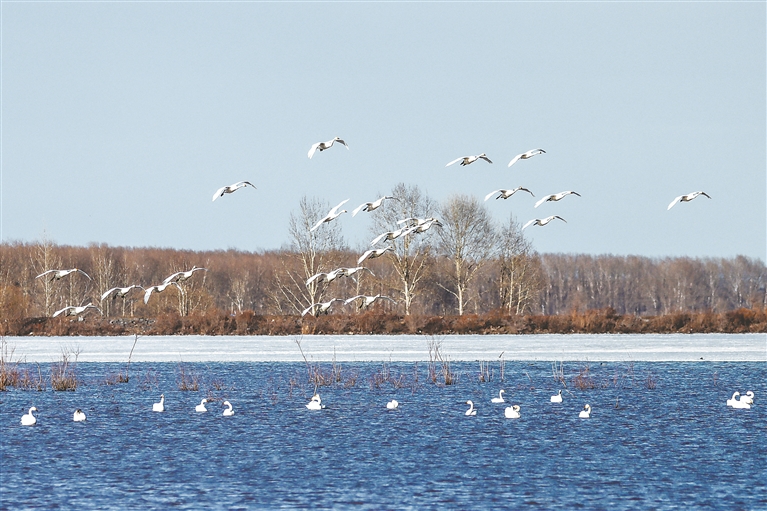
(120, 119)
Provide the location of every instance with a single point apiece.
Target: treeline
(511, 291)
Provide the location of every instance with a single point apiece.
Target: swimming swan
(201, 406)
(741, 403)
(471, 410)
(733, 400)
(228, 412)
(315, 403)
(748, 398)
(29, 419)
(586, 412)
(499, 399)
(512, 412)
(79, 416)
(392, 405)
(159, 407)
(557, 398)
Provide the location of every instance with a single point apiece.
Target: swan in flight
(79, 416)
(232, 188)
(512, 412)
(733, 399)
(181, 276)
(329, 277)
(686, 198)
(468, 160)
(524, 156)
(557, 398)
(499, 399)
(229, 411)
(748, 398)
(372, 254)
(28, 419)
(315, 403)
(158, 289)
(201, 406)
(391, 235)
(586, 412)
(367, 300)
(542, 221)
(60, 274)
(423, 227)
(75, 311)
(320, 308)
(555, 197)
(392, 405)
(120, 292)
(505, 194)
(159, 407)
(332, 215)
(471, 410)
(321, 146)
(371, 206)
(349, 272)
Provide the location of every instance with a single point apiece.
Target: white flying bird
(390, 235)
(686, 198)
(524, 156)
(555, 197)
(120, 292)
(231, 188)
(372, 254)
(332, 215)
(371, 206)
(158, 289)
(349, 272)
(505, 194)
(325, 145)
(468, 160)
(181, 276)
(75, 311)
(423, 226)
(542, 221)
(329, 277)
(60, 274)
(320, 308)
(367, 300)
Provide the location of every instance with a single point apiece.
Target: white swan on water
(471, 410)
(28, 419)
(557, 398)
(315, 403)
(499, 399)
(733, 399)
(748, 398)
(159, 407)
(229, 411)
(586, 412)
(392, 405)
(739, 403)
(201, 406)
(79, 416)
(512, 412)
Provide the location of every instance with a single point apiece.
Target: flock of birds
(510, 412)
(407, 227)
(118, 292)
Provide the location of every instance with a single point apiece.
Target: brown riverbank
(216, 322)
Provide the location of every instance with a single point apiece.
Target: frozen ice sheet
(398, 348)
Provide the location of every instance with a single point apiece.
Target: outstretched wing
(333, 211)
(515, 159)
(313, 149)
(455, 161)
(105, 295)
(46, 273)
(219, 193)
(528, 224)
(350, 300)
(541, 201)
(364, 256)
(359, 208)
(673, 202)
(492, 193)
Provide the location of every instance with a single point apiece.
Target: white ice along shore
(397, 348)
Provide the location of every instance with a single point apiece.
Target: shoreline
(713, 347)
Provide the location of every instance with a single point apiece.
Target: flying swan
(232, 188)
(321, 146)
(524, 156)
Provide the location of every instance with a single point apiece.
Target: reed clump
(63, 377)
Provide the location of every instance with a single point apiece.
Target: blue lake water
(677, 446)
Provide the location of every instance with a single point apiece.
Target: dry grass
(63, 376)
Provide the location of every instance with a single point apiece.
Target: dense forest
(460, 270)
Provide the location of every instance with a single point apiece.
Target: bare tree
(312, 252)
(519, 275)
(45, 258)
(411, 253)
(467, 239)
